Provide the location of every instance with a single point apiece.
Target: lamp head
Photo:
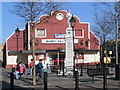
(72, 21)
(110, 52)
(17, 30)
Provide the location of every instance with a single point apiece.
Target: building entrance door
(56, 59)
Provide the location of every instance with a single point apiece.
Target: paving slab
(58, 82)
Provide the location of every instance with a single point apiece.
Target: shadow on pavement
(90, 87)
(61, 88)
(6, 86)
(27, 81)
(112, 78)
(113, 85)
(89, 80)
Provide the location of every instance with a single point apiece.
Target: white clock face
(59, 16)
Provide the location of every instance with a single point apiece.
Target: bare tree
(106, 19)
(30, 11)
(104, 27)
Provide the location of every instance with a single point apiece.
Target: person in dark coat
(40, 71)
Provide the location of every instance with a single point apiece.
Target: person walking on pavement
(40, 72)
(48, 68)
(31, 67)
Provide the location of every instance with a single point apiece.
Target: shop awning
(56, 50)
(82, 51)
(26, 52)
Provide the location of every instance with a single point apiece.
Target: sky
(84, 11)
(9, 22)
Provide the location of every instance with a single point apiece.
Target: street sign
(56, 41)
(59, 35)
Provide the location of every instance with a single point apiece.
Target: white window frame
(40, 36)
(79, 36)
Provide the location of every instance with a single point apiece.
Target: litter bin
(117, 72)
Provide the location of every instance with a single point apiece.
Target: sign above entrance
(53, 40)
(56, 41)
(59, 35)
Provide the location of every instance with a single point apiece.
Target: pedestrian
(19, 71)
(31, 67)
(24, 68)
(40, 72)
(17, 66)
(48, 68)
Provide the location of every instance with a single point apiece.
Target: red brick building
(50, 31)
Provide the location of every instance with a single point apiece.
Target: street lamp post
(17, 31)
(105, 72)
(73, 22)
(110, 53)
(117, 66)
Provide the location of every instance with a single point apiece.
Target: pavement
(58, 82)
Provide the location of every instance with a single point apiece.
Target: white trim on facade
(10, 37)
(80, 36)
(10, 60)
(41, 17)
(89, 35)
(79, 20)
(94, 35)
(88, 29)
(40, 36)
(49, 15)
(28, 35)
(97, 38)
(56, 41)
(58, 11)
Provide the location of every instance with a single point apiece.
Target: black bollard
(45, 81)
(104, 78)
(81, 74)
(11, 81)
(63, 68)
(117, 72)
(93, 79)
(76, 80)
(87, 65)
